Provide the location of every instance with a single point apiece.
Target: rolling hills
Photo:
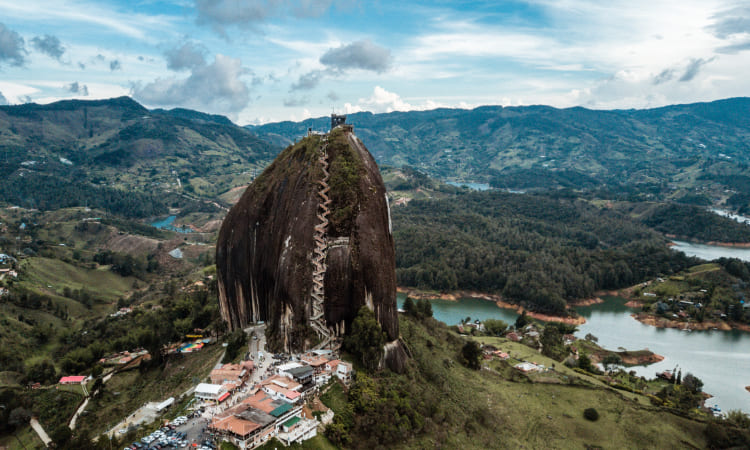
(75, 153)
(671, 150)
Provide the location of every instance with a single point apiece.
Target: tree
(692, 383)
(552, 343)
(409, 307)
(495, 327)
(521, 321)
(591, 338)
(591, 414)
(367, 339)
(738, 418)
(471, 354)
(235, 344)
(19, 416)
(611, 360)
(42, 372)
(425, 309)
(584, 362)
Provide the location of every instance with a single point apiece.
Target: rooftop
(205, 388)
(291, 422)
(281, 410)
(256, 416)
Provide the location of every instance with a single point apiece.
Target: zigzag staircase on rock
(317, 318)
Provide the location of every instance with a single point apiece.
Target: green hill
(440, 403)
(76, 153)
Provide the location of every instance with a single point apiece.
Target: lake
(720, 358)
(711, 252)
(737, 217)
(166, 224)
(473, 186)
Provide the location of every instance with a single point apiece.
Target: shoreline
(714, 243)
(580, 320)
(629, 358)
(498, 300)
(662, 322)
(586, 302)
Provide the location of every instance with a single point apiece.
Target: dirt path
(40, 431)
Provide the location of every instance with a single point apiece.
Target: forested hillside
(74, 153)
(536, 250)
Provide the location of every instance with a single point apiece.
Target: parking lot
(184, 432)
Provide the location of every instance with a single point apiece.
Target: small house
(344, 371)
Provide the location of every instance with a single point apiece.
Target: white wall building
(205, 391)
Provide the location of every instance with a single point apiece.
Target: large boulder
(265, 250)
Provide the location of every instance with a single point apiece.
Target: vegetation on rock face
(366, 339)
(346, 169)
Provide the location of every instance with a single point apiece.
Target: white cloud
(380, 101)
(362, 55)
(217, 87)
(16, 92)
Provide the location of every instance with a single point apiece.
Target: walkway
(74, 419)
(40, 431)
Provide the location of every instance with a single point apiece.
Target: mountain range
(696, 152)
(674, 147)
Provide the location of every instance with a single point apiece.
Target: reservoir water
(720, 358)
(711, 252)
(166, 224)
(473, 186)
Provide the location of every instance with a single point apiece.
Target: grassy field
(498, 407)
(102, 283)
(23, 439)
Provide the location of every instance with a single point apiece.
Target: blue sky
(271, 60)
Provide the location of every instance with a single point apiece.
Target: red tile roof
(72, 379)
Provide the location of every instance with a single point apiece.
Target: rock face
(266, 245)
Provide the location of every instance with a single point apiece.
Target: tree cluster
(419, 310)
(536, 250)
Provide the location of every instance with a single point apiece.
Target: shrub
(591, 414)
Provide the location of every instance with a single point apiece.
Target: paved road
(72, 424)
(40, 431)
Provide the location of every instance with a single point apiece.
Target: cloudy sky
(268, 60)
